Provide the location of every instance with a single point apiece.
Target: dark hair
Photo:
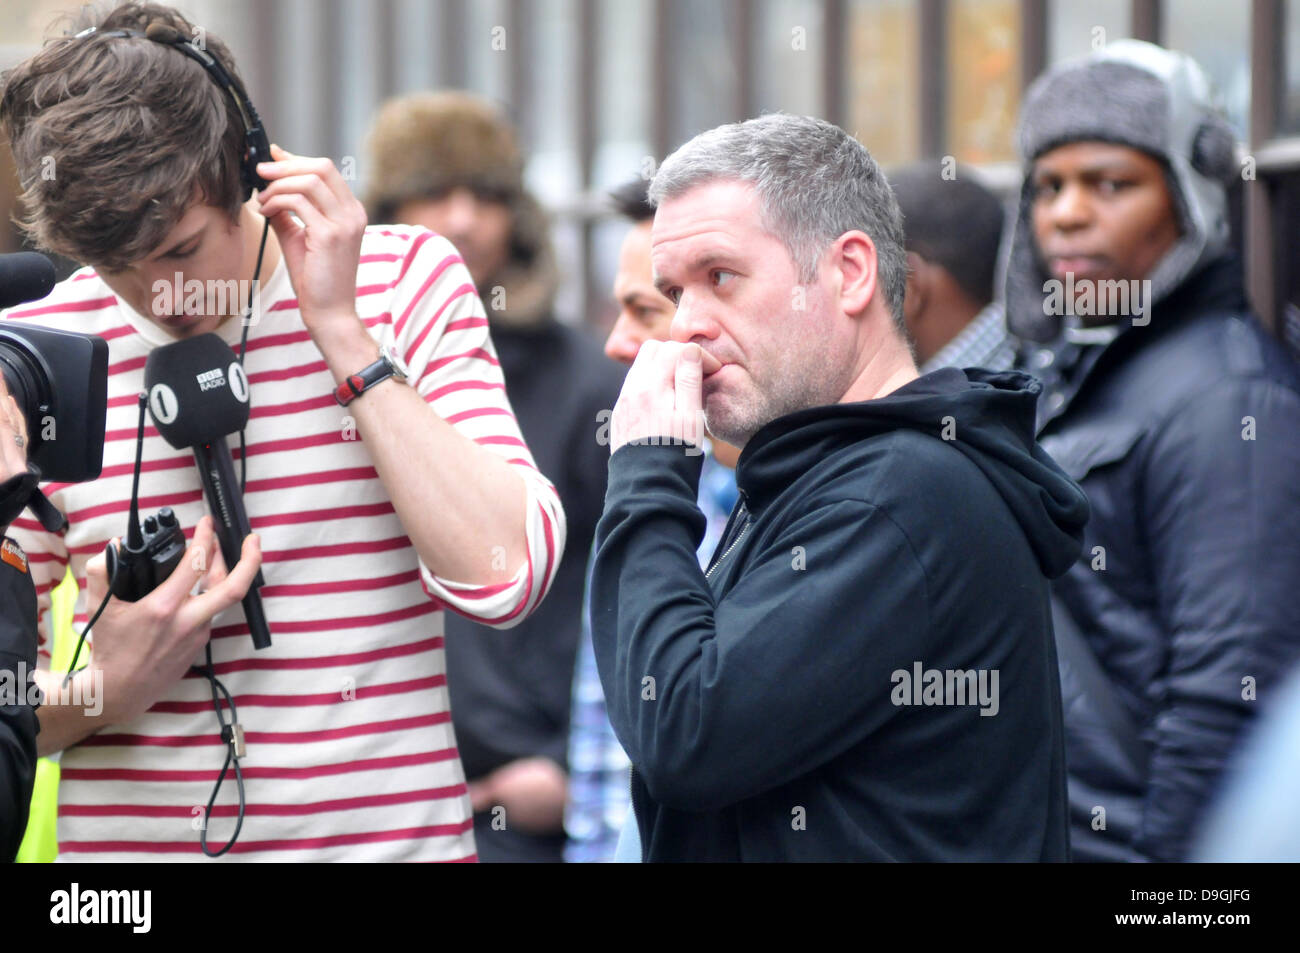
(116, 137)
(631, 201)
(952, 221)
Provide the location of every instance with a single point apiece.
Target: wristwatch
(354, 385)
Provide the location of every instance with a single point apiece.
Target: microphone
(24, 276)
(198, 394)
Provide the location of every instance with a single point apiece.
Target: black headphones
(257, 147)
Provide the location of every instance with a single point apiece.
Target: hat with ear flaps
(1134, 94)
(425, 144)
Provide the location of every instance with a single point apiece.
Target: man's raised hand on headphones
(322, 248)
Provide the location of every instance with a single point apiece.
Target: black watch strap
(354, 385)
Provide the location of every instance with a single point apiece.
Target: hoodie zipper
(744, 512)
(631, 803)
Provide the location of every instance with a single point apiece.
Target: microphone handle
(227, 506)
(256, 617)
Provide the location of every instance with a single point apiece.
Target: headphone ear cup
(259, 150)
(1214, 150)
(248, 176)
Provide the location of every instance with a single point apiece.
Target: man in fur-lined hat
(448, 161)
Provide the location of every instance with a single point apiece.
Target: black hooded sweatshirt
(768, 706)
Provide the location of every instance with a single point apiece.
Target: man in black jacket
(1180, 418)
(866, 671)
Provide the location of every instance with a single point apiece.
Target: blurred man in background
(449, 162)
(1180, 418)
(644, 314)
(599, 797)
(952, 228)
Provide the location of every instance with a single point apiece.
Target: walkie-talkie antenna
(134, 538)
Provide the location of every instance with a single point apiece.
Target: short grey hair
(814, 181)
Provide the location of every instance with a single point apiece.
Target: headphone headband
(257, 147)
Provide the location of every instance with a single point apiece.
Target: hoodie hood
(1139, 95)
(987, 416)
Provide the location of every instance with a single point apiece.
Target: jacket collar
(1069, 367)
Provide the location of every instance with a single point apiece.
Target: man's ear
(858, 271)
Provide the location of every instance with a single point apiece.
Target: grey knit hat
(1134, 94)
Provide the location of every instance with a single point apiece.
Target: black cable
(132, 539)
(228, 730)
(76, 654)
(243, 340)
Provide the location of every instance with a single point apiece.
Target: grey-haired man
(866, 670)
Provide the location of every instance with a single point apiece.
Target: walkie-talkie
(148, 556)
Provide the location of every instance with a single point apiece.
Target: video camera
(60, 382)
(58, 378)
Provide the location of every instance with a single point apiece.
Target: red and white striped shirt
(351, 754)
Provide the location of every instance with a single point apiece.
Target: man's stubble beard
(814, 379)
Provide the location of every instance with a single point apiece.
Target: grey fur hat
(1135, 94)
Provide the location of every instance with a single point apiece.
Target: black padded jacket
(1185, 435)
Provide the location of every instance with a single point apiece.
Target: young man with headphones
(386, 477)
